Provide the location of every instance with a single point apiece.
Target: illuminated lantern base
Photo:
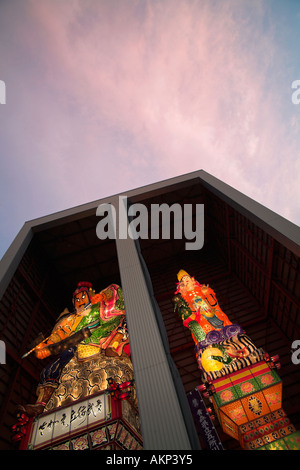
(84, 412)
(273, 431)
(242, 383)
(248, 403)
(95, 422)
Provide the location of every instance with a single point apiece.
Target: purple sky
(106, 96)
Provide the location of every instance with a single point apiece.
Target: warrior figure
(104, 314)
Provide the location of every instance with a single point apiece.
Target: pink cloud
(143, 91)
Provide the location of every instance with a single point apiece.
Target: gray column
(162, 420)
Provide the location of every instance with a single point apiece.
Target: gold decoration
(81, 379)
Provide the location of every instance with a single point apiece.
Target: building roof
(282, 230)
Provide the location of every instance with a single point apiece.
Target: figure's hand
(97, 298)
(41, 351)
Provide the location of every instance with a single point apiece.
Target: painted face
(186, 282)
(81, 300)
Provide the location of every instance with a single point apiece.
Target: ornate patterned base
(114, 436)
(80, 379)
(248, 405)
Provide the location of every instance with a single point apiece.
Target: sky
(100, 97)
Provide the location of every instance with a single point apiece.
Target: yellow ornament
(209, 364)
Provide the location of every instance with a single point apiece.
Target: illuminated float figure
(92, 345)
(240, 379)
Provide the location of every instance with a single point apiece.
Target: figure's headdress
(181, 274)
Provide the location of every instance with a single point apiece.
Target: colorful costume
(105, 313)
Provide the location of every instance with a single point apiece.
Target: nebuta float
(89, 342)
(86, 397)
(238, 378)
